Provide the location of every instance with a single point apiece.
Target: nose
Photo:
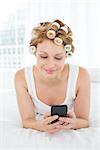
(50, 64)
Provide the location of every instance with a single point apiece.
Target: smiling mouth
(49, 71)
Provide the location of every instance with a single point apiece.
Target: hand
(45, 124)
(67, 122)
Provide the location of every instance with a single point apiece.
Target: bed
(13, 136)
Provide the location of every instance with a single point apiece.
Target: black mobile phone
(60, 110)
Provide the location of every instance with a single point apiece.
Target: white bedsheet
(14, 136)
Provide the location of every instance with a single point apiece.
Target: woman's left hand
(67, 122)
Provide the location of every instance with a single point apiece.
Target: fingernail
(56, 116)
(61, 119)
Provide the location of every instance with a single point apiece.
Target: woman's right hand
(45, 125)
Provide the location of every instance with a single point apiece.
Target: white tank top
(41, 107)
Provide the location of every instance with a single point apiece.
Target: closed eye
(58, 58)
(44, 57)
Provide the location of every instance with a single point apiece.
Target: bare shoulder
(84, 76)
(19, 74)
(83, 73)
(20, 77)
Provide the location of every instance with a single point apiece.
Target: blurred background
(18, 17)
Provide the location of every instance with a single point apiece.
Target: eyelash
(47, 57)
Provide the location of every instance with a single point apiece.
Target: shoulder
(19, 74)
(20, 77)
(83, 77)
(83, 73)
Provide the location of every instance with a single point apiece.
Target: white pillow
(95, 101)
(8, 109)
(94, 74)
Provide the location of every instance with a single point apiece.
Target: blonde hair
(39, 33)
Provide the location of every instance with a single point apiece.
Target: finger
(54, 124)
(67, 127)
(66, 120)
(61, 122)
(50, 127)
(65, 124)
(63, 119)
(51, 118)
(54, 131)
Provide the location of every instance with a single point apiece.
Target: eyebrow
(47, 53)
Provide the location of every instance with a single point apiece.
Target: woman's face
(50, 58)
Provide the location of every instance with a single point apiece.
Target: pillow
(94, 74)
(8, 109)
(95, 101)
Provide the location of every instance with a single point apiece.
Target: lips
(49, 71)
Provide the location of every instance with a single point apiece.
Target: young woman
(51, 81)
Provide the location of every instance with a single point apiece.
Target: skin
(51, 74)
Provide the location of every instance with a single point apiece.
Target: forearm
(80, 123)
(31, 123)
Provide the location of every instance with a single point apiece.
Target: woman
(51, 81)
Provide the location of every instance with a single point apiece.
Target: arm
(27, 108)
(82, 103)
(25, 104)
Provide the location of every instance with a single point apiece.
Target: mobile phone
(60, 110)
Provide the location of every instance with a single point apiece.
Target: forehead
(49, 46)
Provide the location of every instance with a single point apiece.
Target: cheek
(39, 60)
(40, 63)
(62, 62)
